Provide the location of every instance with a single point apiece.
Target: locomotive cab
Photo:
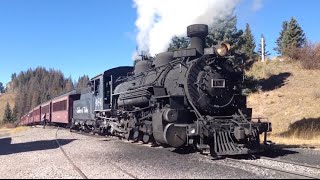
(97, 91)
(103, 86)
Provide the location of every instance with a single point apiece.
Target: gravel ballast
(35, 154)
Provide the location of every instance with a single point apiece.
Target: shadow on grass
(274, 81)
(304, 129)
(268, 84)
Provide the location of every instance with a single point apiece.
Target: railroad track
(291, 173)
(290, 162)
(295, 174)
(77, 168)
(283, 171)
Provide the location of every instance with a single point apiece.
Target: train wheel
(146, 138)
(136, 135)
(93, 131)
(128, 135)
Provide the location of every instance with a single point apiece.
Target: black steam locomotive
(186, 98)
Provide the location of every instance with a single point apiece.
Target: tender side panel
(82, 108)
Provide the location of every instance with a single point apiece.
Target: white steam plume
(159, 20)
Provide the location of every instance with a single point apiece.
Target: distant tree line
(243, 41)
(37, 86)
(291, 43)
(225, 30)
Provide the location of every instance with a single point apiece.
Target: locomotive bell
(221, 50)
(197, 33)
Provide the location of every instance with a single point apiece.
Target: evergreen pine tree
(294, 37)
(69, 85)
(1, 88)
(291, 37)
(7, 118)
(178, 43)
(15, 114)
(13, 76)
(225, 30)
(279, 41)
(249, 45)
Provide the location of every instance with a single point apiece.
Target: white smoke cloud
(257, 5)
(135, 56)
(159, 20)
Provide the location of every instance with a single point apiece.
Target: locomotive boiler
(186, 98)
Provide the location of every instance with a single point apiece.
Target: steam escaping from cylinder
(160, 20)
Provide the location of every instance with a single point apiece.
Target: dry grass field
(10, 130)
(289, 97)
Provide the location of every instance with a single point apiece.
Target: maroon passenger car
(61, 109)
(36, 115)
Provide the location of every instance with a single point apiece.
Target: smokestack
(198, 33)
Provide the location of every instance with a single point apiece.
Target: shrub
(305, 129)
(309, 56)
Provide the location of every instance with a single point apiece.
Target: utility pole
(262, 49)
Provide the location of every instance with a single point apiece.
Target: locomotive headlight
(192, 131)
(223, 49)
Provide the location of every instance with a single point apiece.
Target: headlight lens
(223, 49)
(193, 131)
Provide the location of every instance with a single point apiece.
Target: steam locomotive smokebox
(197, 33)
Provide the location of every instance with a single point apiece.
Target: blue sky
(89, 36)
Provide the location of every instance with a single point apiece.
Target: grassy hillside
(289, 97)
(4, 98)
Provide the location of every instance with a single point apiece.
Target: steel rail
(290, 162)
(94, 136)
(69, 159)
(296, 174)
